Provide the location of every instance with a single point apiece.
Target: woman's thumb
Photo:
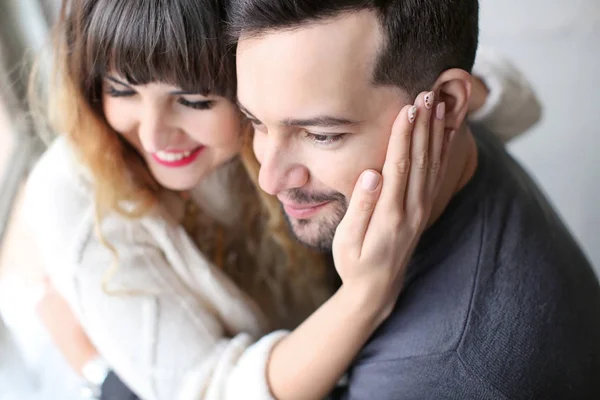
(351, 232)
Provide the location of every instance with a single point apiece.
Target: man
(499, 302)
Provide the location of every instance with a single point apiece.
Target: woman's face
(182, 136)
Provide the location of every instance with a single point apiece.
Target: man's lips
(302, 211)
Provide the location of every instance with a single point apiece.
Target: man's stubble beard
(324, 227)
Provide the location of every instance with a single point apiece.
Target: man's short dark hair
(423, 38)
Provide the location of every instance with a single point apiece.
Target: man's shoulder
(508, 287)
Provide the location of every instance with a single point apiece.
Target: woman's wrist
(297, 367)
(372, 303)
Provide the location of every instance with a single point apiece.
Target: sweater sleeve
(512, 106)
(168, 335)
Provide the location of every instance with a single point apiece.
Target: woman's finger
(436, 145)
(397, 165)
(447, 144)
(417, 183)
(351, 231)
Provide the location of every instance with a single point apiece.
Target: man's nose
(279, 171)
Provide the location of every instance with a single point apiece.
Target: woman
(146, 107)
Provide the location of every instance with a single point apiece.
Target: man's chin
(310, 234)
(317, 229)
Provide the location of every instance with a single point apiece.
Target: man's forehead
(326, 64)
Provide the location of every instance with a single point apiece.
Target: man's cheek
(347, 179)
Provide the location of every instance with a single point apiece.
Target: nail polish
(440, 111)
(429, 99)
(370, 181)
(412, 114)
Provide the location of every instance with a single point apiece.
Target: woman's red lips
(175, 159)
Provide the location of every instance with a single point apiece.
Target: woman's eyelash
(197, 105)
(111, 91)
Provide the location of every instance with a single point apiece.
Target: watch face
(89, 392)
(95, 371)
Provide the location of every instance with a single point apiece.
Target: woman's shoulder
(59, 210)
(57, 192)
(58, 176)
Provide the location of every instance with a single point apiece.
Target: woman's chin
(178, 183)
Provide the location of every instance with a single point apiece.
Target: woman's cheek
(121, 119)
(117, 114)
(229, 127)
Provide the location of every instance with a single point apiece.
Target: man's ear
(454, 88)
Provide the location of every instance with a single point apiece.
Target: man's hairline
(261, 33)
(382, 43)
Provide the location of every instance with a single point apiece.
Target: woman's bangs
(156, 41)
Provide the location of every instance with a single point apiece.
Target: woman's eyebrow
(187, 92)
(115, 80)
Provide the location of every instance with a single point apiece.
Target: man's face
(319, 120)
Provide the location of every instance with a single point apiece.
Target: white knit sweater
(191, 334)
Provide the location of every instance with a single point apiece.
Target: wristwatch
(94, 372)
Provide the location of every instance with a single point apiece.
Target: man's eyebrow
(323, 121)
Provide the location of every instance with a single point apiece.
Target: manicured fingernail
(412, 114)
(440, 111)
(370, 180)
(429, 98)
(451, 136)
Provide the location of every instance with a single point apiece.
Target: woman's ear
(454, 88)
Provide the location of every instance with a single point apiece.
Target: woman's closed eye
(196, 105)
(114, 92)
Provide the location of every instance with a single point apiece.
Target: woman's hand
(387, 214)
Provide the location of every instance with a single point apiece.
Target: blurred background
(554, 42)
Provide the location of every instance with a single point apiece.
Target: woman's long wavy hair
(180, 42)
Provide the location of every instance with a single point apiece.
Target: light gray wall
(557, 44)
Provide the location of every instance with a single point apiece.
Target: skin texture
(155, 117)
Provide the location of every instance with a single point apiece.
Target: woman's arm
(73, 343)
(502, 99)
(64, 329)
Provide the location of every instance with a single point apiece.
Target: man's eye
(325, 139)
(111, 91)
(197, 105)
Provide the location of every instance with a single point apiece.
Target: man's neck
(462, 164)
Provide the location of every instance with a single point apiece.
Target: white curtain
(23, 33)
